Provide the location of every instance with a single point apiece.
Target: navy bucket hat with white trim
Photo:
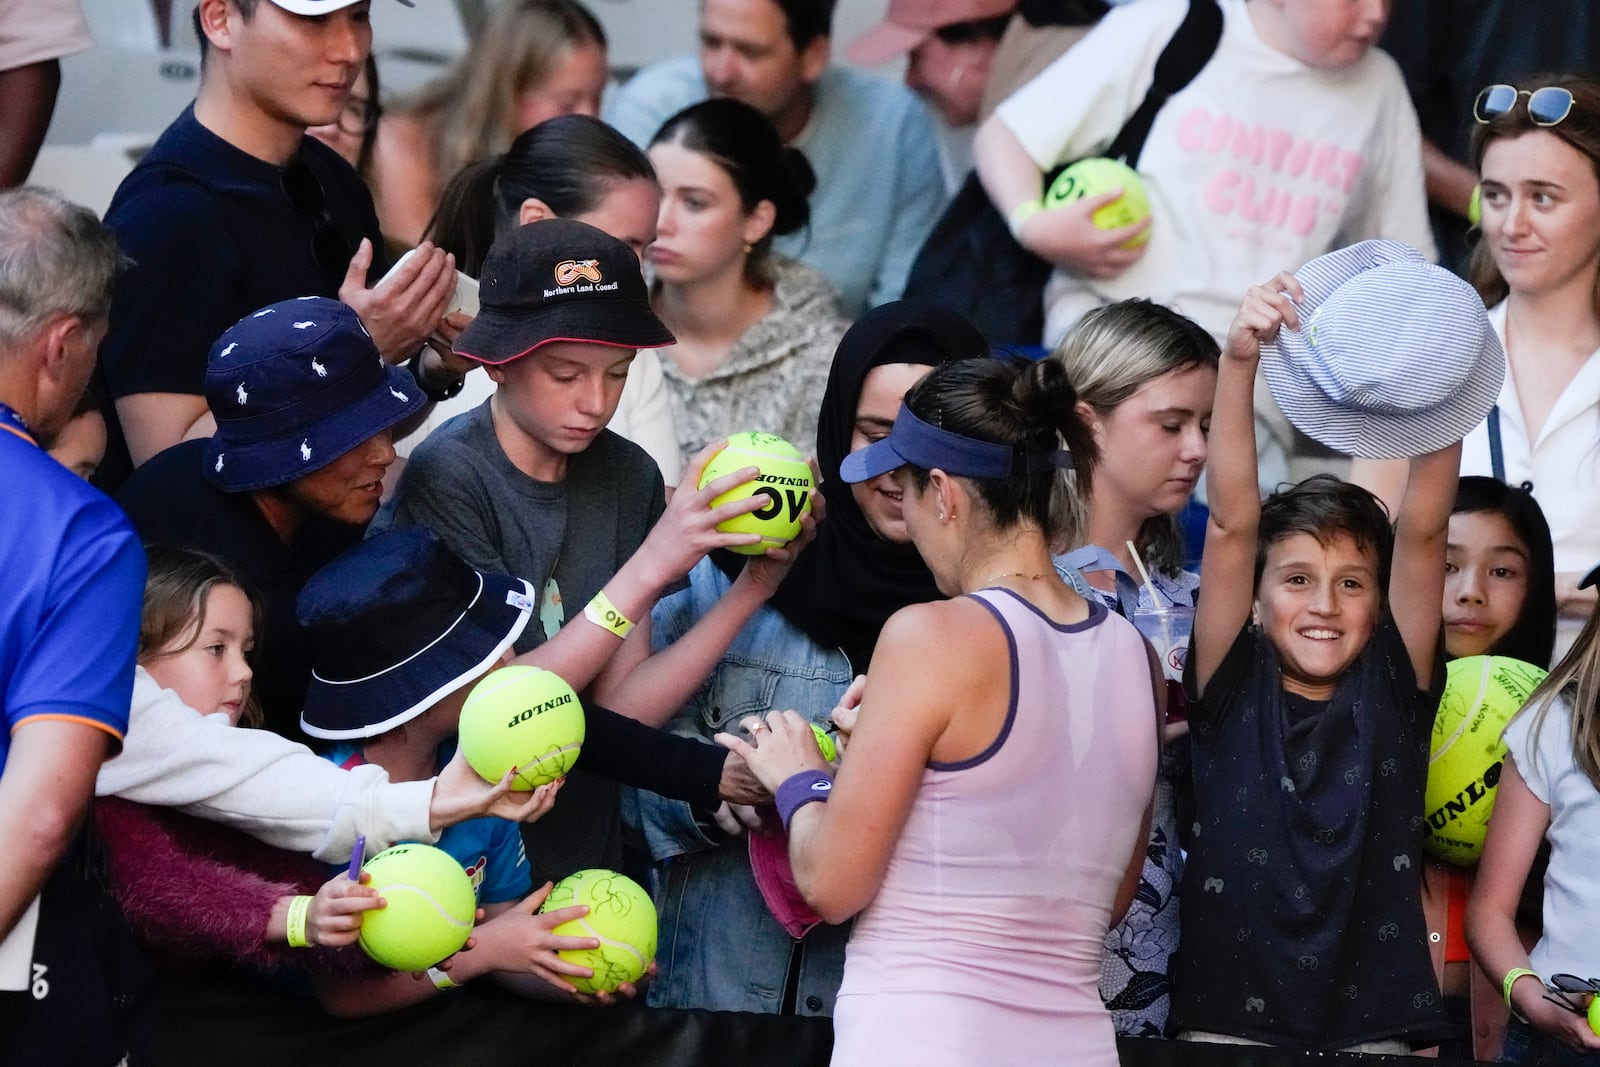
(1395, 356)
(293, 387)
(396, 624)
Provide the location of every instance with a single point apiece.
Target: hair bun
(1042, 392)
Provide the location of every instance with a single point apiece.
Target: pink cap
(910, 22)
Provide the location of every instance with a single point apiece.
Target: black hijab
(844, 587)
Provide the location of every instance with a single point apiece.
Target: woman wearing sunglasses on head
(1537, 152)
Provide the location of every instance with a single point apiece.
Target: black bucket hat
(559, 280)
(293, 387)
(397, 623)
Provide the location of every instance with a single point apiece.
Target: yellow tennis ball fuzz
(1481, 693)
(825, 745)
(428, 908)
(525, 718)
(785, 480)
(621, 915)
(1091, 177)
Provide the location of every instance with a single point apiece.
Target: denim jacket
(720, 948)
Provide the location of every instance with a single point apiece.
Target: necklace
(1019, 574)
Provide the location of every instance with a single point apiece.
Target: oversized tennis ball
(522, 717)
(621, 915)
(825, 745)
(1475, 206)
(785, 480)
(428, 907)
(1594, 1015)
(1091, 177)
(1481, 693)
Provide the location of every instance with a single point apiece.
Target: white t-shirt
(1258, 165)
(1570, 942)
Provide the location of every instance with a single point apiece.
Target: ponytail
(570, 163)
(466, 222)
(1031, 406)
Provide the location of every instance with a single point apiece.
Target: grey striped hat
(1395, 356)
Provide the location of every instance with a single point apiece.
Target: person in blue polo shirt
(69, 621)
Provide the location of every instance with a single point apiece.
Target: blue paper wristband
(801, 789)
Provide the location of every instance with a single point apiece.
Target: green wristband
(296, 923)
(1511, 979)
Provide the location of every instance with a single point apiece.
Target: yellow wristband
(1020, 214)
(440, 979)
(1511, 979)
(605, 615)
(296, 933)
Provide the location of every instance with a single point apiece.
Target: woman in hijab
(734, 935)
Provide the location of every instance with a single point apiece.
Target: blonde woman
(531, 60)
(1145, 376)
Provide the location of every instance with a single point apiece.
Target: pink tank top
(984, 944)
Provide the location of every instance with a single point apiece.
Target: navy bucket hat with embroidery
(396, 624)
(293, 387)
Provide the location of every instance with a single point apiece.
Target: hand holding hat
(1391, 357)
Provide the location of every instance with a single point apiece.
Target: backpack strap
(1191, 48)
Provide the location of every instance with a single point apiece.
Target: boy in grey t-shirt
(532, 484)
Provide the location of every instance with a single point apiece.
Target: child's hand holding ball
(1094, 220)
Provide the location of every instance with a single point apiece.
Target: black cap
(559, 280)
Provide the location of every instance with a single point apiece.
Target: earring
(748, 248)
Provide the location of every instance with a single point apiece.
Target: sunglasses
(1546, 106)
(305, 194)
(1571, 992)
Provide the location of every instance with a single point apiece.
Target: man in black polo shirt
(235, 208)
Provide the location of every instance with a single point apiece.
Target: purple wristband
(801, 789)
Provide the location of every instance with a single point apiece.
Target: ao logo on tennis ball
(1481, 694)
(785, 480)
(1091, 177)
(428, 907)
(621, 915)
(525, 718)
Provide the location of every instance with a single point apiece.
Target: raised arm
(1227, 567)
(1416, 578)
